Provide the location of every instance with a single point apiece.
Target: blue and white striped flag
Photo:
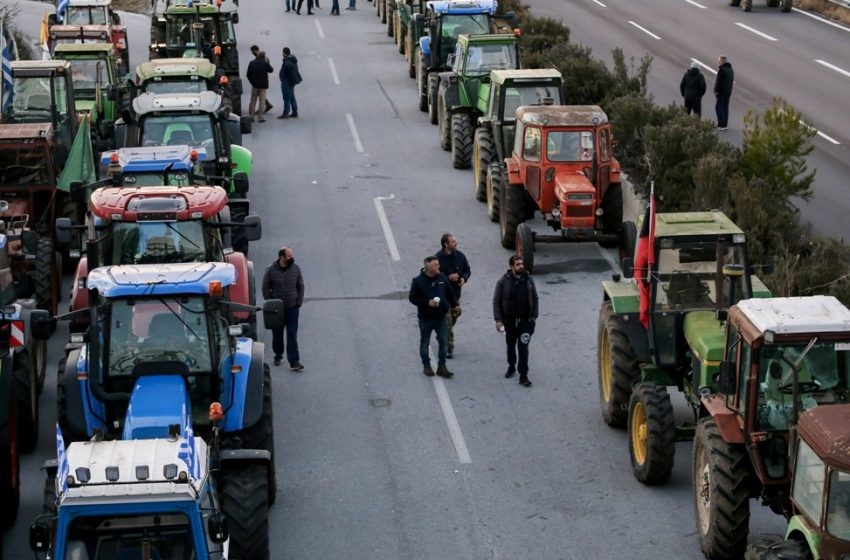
(7, 85)
(189, 453)
(61, 6)
(64, 469)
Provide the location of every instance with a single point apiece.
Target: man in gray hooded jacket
(283, 281)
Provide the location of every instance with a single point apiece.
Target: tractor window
(88, 74)
(85, 15)
(24, 167)
(163, 536)
(687, 276)
(453, 25)
(519, 134)
(176, 130)
(744, 369)
(194, 85)
(519, 96)
(838, 505)
(571, 145)
(604, 145)
(809, 481)
(228, 33)
(157, 242)
(32, 96)
(480, 59)
(531, 144)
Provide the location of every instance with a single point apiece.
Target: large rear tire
(747, 5)
(495, 183)
(444, 120)
(652, 433)
(10, 467)
(388, 18)
(46, 276)
(628, 240)
(244, 501)
(483, 153)
(612, 209)
(786, 5)
(525, 246)
(617, 367)
(29, 365)
(462, 133)
(422, 83)
(412, 56)
(511, 212)
(433, 89)
(721, 495)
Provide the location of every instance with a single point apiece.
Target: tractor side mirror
(77, 191)
(240, 182)
(273, 314)
(217, 528)
(245, 124)
(40, 537)
(234, 17)
(42, 324)
(727, 378)
(252, 227)
(628, 266)
(63, 230)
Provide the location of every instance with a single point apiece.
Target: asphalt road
(374, 460)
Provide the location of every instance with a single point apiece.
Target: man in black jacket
(723, 92)
(515, 312)
(258, 76)
(283, 281)
(454, 265)
(692, 88)
(433, 297)
(288, 75)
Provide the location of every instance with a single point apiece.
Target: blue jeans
(290, 324)
(351, 3)
(438, 326)
(722, 110)
(288, 93)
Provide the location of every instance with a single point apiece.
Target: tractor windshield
(687, 276)
(32, 97)
(480, 59)
(175, 179)
(191, 84)
(164, 536)
(520, 95)
(838, 505)
(88, 73)
(24, 167)
(86, 15)
(185, 31)
(453, 25)
(569, 145)
(157, 242)
(174, 129)
(823, 377)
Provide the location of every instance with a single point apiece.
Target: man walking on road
(454, 265)
(515, 312)
(433, 297)
(692, 88)
(258, 76)
(723, 92)
(289, 78)
(283, 280)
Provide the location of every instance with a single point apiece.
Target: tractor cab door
(603, 160)
(530, 170)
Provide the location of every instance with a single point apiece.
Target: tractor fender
(727, 420)
(799, 530)
(234, 457)
(245, 407)
(451, 95)
(242, 159)
(513, 171)
(623, 295)
(239, 290)
(425, 45)
(75, 410)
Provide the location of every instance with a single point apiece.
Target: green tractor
(507, 91)
(665, 329)
(403, 15)
(460, 99)
(187, 75)
(98, 89)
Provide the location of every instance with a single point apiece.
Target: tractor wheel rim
(605, 367)
(703, 494)
(639, 433)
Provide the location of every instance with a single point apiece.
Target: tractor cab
(446, 20)
(176, 75)
(87, 12)
(78, 34)
(509, 90)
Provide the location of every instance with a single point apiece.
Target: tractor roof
(207, 101)
(562, 115)
(199, 8)
(147, 469)
(149, 280)
(147, 159)
(25, 132)
(179, 67)
(81, 3)
(38, 67)
(525, 75)
(796, 315)
(158, 204)
(91, 30)
(676, 224)
(827, 430)
(463, 6)
(483, 38)
(84, 48)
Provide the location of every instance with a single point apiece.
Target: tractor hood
(825, 429)
(573, 183)
(705, 336)
(157, 402)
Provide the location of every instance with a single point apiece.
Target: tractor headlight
(83, 474)
(169, 471)
(599, 211)
(112, 474)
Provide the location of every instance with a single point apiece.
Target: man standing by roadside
(255, 50)
(692, 88)
(289, 77)
(723, 92)
(515, 312)
(454, 265)
(258, 75)
(433, 297)
(283, 280)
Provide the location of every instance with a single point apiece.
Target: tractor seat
(160, 247)
(165, 330)
(179, 137)
(685, 289)
(76, 550)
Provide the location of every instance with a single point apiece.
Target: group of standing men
(258, 76)
(692, 88)
(436, 294)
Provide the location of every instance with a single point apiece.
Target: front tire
(244, 501)
(482, 156)
(788, 549)
(511, 212)
(444, 120)
(617, 367)
(46, 276)
(461, 140)
(786, 5)
(525, 246)
(652, 433)
(422, 83)
(495, 183)
(433, 89)
(721, 494)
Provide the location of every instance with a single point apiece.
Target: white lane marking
(833, 67)
(600, 3)
(823, 135)
(357, 145)
(692, 3)
(822, 20)
(614, 266)
(645, 30)
(756, 31)
(449, 415)
(706, 66)
(333, 71)
(385, 225)
(319, 28)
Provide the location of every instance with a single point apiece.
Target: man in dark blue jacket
(723, 92)
(288, 75)
(433, 297)
(454, 265)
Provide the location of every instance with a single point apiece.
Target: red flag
(651, 219)
(645, 257)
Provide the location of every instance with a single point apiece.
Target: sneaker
(277, 361)
(297, 366)
(443, 372)
(523, 380)
(283, 116)
(294, 115)
(427, 370)
(511, 371)
(722, 128)
(261, 119)
(269, 106)
(287, 11)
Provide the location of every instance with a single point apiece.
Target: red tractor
(562, 165)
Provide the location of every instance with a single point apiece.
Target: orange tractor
(562, 165)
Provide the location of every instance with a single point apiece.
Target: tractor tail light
(215, 288)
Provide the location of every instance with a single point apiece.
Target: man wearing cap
(433, 297)
(692, 88)
(258, 76)
(283, 281)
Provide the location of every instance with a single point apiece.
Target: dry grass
(826, 9)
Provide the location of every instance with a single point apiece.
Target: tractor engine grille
(580, 211)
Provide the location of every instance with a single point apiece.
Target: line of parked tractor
(767, 379)
(165, 444)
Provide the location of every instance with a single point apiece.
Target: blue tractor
(160, 347)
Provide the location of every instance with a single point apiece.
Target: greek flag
(189, 453)
(61, 6)
(64, 469)
(7, 85)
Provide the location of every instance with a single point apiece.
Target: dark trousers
(309, 5)
(517, 336)
(722, 110)
(287, 91)
(438, 327)
(290, 324)
(694, 105)
(335, 7)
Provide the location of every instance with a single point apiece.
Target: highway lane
(368, 460)
(764, 69)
